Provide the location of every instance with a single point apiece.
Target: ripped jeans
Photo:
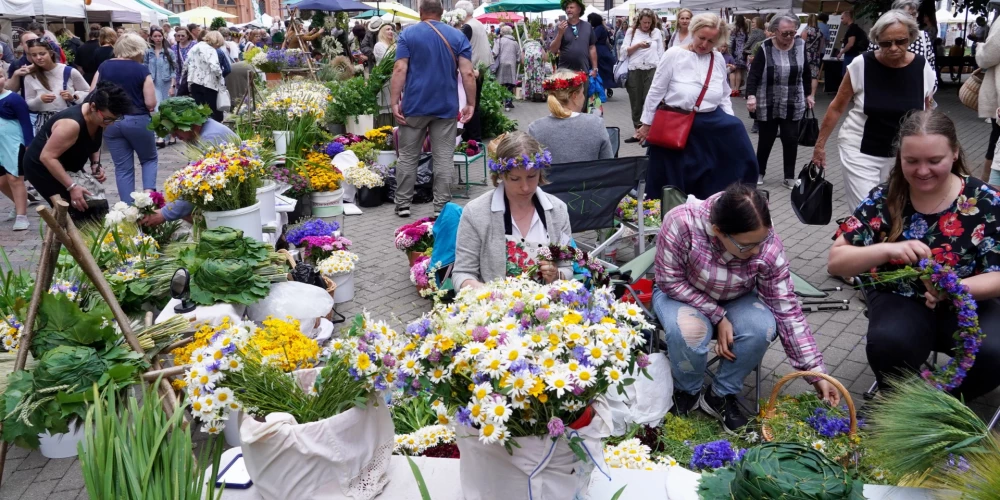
(689, 332)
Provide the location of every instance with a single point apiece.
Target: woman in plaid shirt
(721, 270)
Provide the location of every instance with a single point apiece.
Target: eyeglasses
(787, 34)
(746, 248)
(109, 121)
(900, 42)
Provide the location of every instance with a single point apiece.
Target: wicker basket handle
(769, 409)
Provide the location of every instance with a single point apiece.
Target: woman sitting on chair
(501, 231)
(930, 208)
(720, 269)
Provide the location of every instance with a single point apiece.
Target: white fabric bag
(343, 457)
(222, 100)
(646, 401)
(539, 468)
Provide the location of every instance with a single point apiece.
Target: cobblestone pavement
(383, 287)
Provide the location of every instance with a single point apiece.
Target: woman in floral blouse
(929, 208)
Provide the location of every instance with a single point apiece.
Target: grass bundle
(916, 427)
(134, 451)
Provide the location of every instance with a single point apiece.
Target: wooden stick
(179, 343)
(43, 280)
(71, 238)
(152, 375)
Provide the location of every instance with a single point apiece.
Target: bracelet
(71, 186)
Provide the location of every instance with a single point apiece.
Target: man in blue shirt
(426, 99)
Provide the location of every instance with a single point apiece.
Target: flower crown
(537, 161)
(565, 83)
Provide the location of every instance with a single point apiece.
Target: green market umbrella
(524, 6)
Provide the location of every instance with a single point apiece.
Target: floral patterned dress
(737, 42)
(814, 49)
(521, 254)
(536, 68)
(963, 236)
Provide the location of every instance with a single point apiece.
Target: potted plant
(415, 238)
(381, 140)
(298, 428)
(327, 185)
(368, 182)
(354, 105)
(504, 363)
(298, 188)
(270, 63)
(287, 106)
(222, 185)
(339, 266)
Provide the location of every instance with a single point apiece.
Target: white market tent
(17, 8)
(656, 5)
(945, 16)
(123, 11)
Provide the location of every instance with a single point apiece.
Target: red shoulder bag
(671, 126)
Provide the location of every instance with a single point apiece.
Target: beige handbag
(969, 93)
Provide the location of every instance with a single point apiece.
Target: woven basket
(769, 411)
(969, 93)
(330, 285)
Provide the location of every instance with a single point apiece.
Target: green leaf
(61, 322)
(421, 485)
(618, 493)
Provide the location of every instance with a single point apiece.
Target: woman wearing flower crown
(568, 134)
(501, 232)
(930, 208)
(718, 151)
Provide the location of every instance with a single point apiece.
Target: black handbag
(812, 198)
(808, 129)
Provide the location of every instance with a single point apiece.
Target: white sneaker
(760, 180)
(21, 223)
(790, 183)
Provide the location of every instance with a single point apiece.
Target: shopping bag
(812, 199)
(621, 72)
(808, 129)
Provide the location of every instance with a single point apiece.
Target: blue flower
(714, 455)
(917, 229)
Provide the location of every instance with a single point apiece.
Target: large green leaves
(70, 366)
(229, 280)
(229, 243)
(178, 113)
(781, 470)
(60, 321)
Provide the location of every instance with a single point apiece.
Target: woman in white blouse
(50, 87)
(718, 150)
(683, 34)
(642, 48)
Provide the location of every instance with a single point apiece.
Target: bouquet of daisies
(295, 99)
(524, 365)
(339, 262)
(226, 178)
(363, 176)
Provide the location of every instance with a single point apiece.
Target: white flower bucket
(328, 203)
(360, 124)
(349, 192)
(281, 139)
(265, 197)
(386, 158)
(62, 445)
(232, 429)
(245, 219)
(345, 287)
(339, 458)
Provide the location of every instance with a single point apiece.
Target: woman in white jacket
(988, 59)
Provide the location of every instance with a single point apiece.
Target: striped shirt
(692, 266)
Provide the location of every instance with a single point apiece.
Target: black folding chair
(592, 190)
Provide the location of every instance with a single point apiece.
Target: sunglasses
(787, 34)
(35, 42)
(109, 121)
(746, 248)
(900, 42)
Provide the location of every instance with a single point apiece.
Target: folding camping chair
(445, 238)
(592, 190)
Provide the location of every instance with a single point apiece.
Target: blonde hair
(514, 145)
(108, 36)
(214, 38)
(710, 20)
(682, 11)
(383, 34)
(559, 99)
(130, 46)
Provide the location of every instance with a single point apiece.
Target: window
(227, 2)
(174, 5)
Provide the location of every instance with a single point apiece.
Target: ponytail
(561, 86)
(557, 109)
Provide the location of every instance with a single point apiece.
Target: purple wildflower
(556, 427)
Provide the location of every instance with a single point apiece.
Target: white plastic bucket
(360, 124)
(345, 287)
(386, 158)
(281, 138)
(232, 429)
(328, 203)
(62, 445)
(265, 197)
(245, 219)
(349, 192)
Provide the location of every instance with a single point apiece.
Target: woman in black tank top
(76, 134)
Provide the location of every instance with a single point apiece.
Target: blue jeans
(689, 332)
(126, 139)
(847, 61)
